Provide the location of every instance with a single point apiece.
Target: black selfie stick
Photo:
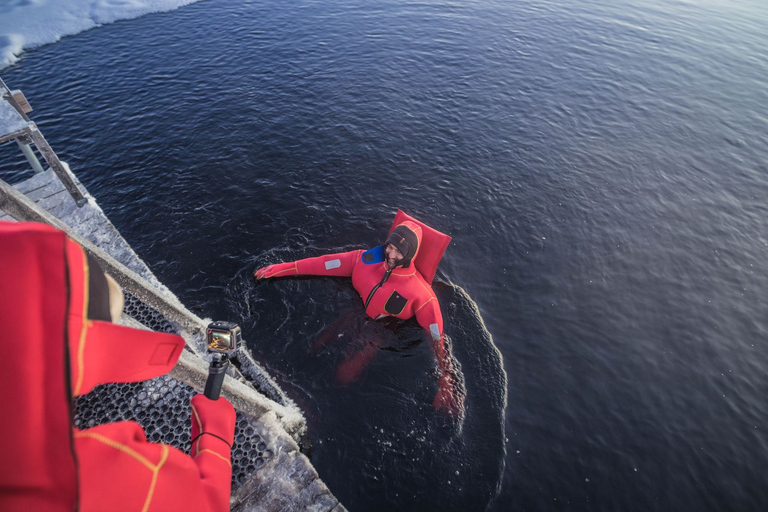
(216, 373)
(223, 339)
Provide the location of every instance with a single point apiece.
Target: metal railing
(190, 370)
(31, 135)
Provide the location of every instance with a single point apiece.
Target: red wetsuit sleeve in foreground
(339, 264)
(48, 465)
(213, 432)
(121, 470)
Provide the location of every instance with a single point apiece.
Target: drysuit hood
(430, 247)
(407, 238)
(57, 347)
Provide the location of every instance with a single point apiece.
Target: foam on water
(27, 24)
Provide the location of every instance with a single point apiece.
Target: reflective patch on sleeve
(435, 330)
(331, 264)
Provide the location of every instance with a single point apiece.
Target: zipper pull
(383, 280)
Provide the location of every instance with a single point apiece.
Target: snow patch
(10, 120)
(28, 24)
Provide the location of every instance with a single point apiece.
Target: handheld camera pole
(223, 338)
(216, 373)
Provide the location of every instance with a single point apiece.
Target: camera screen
(220, 340)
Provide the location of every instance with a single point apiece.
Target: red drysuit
(54, 350)
(404, 293)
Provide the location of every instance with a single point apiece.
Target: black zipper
(383, 280)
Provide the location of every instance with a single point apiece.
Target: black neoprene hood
(406, 242)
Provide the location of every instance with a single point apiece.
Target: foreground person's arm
(213, 433)
(120, 470)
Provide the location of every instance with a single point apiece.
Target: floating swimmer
(394, 280)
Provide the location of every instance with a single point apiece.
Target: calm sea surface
(602, 168)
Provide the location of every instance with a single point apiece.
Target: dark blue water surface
(601, 167)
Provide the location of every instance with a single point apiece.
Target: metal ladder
(29, 134)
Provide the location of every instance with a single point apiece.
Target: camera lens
(221, 340)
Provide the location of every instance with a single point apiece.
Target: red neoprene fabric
(38, 469)
(47, 466)
(125, 472)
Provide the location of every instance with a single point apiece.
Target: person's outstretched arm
(340, 264)
(450, 392)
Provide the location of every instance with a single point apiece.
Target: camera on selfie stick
(223, 338)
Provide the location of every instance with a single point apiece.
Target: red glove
(263, 272)
(450, 391)
(276, 270)
(449, 398)
(213, 432)
(215, 417)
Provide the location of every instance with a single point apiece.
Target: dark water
(600, 166)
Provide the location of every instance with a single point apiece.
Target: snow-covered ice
(27, 24)
(10, 120)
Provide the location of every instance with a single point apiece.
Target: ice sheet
(10, 120)
(27, 24)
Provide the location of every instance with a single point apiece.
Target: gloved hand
(448, 397)
(276, 270)
(213, 416)
(213, 432)
(263, 273)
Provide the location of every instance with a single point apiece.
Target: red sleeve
(213, 432)
(450, 389)
(339, 264)
(119, 470)
(431, 319)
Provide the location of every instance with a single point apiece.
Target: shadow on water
(376, 440)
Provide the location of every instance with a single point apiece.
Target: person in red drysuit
(58, 343)
(393, 287)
